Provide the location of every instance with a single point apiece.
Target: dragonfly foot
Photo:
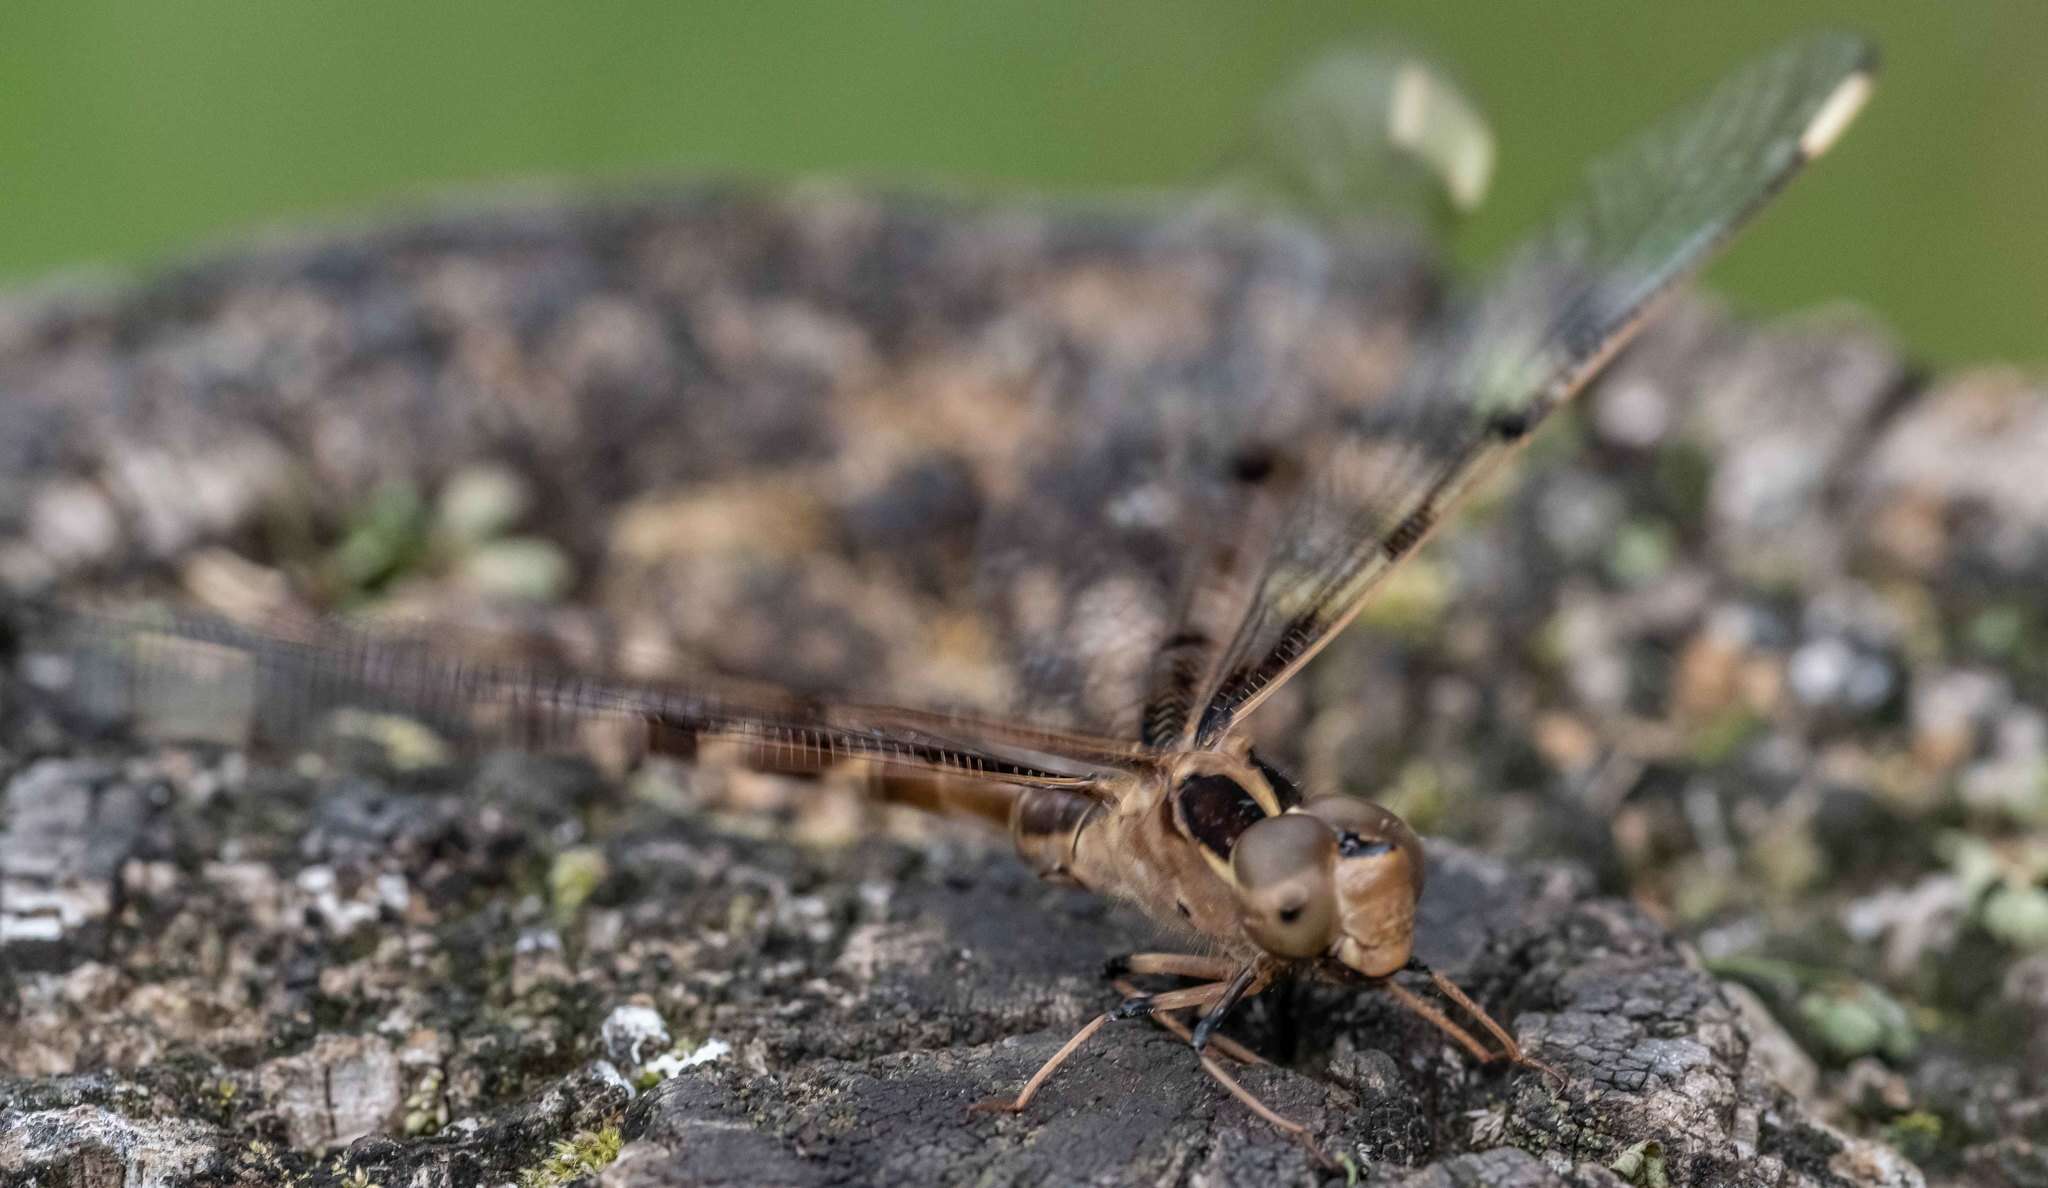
(1292, 1129)
(1136, 1006)
(1557, 1080)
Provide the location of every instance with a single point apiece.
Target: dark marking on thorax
(1213, 810)
(1285, 790)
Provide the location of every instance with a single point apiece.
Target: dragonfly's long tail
(979, 800)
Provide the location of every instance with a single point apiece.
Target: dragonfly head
(1338, 877)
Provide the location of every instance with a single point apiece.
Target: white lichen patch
(633, 1034)
(668, 1064)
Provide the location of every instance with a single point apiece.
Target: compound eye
(1287, 899)
(1370, 831)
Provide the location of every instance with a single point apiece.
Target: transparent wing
(875, 451)
(194, 678)
(1649, 216)
(872, 449)
(1003, 508)
(1365, 130)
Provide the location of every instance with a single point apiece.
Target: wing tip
(1836, 113)
(1857, 59)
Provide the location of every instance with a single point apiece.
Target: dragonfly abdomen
(1046, 824)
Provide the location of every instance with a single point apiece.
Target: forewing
(1178, 390)
(1650, 215)
(195, 678)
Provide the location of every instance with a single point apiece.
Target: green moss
(1723, 736)
(1997, 631)
(573, 876)
(1641, 552)
(1684, 477)
(585, 1154)
(2018, 917)
(1788, 860)
(1777, 982)
(1918, 1135)
(1700, 890)
(261, 1163)
(1851, 1019)
(426, 1110)
(386, 537)
(1642, 1165)
(218, 1101)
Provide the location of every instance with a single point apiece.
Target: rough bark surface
(334, 964)
(219, 972)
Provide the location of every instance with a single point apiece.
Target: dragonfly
(1175, 811)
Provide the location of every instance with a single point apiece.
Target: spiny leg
(1438, 1019)
(1250, 980)
(1179, 965)
(1252, 1103)
(1129, 1008)
(1206, 995)
(1218, 996)
(1172, 1022)
(1247, 982)
(1452, 991)
(1511, 1051)
(1013, 1105)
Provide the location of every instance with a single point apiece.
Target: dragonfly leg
(1130, 1008)
(1172, 1022)
(1510, 1050)
(1017, 1104)
(1249, 981)
(1178, 965)
(1216, 998)
(1286, 1126)
(1442, 1022)
(1139, 1005)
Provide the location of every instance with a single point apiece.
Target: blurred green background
(129, 132)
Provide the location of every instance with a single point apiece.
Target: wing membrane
(1649, 216)
(201, 678)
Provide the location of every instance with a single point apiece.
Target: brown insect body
(1138, 850)
(1343, 876)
